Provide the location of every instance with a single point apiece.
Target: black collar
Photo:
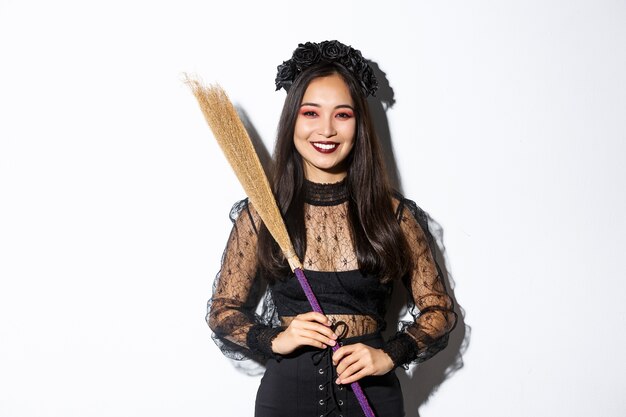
(325, 194)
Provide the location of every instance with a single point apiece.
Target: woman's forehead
(328, 90)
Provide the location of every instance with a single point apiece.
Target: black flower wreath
(310, 53)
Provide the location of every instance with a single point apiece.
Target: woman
(355, 236)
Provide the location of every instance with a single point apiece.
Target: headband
(311, 53)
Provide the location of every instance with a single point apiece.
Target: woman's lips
(325, 147)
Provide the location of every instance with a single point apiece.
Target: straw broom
(235, 142)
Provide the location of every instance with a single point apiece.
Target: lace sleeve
(239, 329)
(429, 303)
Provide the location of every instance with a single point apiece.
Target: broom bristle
(235, 142)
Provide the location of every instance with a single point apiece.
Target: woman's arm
(237, 328)
(431, 305)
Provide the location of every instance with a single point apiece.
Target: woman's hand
(359, 360)
(309, 329)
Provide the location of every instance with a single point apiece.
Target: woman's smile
(325, 147)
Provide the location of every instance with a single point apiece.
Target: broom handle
(356, 388)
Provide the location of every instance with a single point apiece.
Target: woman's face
(325, 129)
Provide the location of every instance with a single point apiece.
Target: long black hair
(380, 246)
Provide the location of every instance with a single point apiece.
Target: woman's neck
(325, 194)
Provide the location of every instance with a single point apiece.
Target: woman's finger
(355, 367)
(344, 351)
(353, 378)
(316, 327)
(347, 361)
(314, 316)
(305, 336)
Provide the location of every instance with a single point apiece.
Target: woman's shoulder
(239, 207)
(401, 204)
(406, 209)
(243, 211)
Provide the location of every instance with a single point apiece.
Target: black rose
(355, 56)
(285, 75)
(306, 55)
(346, 61)
(353, 61)
(366, 77)
(333, 50)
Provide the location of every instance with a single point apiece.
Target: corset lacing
(327, 374)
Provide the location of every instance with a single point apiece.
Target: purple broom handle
(356, 388)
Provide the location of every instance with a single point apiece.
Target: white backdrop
(508, 128)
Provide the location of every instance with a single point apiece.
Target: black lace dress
(302, 383)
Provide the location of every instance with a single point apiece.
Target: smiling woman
(355, 236)
(325, 129)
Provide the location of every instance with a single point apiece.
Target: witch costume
(248, 310)
(303, 383)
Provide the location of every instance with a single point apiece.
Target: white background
(508, 128)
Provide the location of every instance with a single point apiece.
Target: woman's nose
(327, 129)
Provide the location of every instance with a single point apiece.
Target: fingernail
(332, 342)
(334, 336)
(338, 381)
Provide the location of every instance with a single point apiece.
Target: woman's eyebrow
(339, 106)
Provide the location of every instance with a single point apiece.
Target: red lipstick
(325, 147)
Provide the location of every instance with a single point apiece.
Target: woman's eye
(344, 115)
(309, 113)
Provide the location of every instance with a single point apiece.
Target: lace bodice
(243, 329)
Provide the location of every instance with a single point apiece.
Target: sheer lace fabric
(243, 311)
(429, 303)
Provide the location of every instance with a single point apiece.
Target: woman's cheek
(306, 129)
